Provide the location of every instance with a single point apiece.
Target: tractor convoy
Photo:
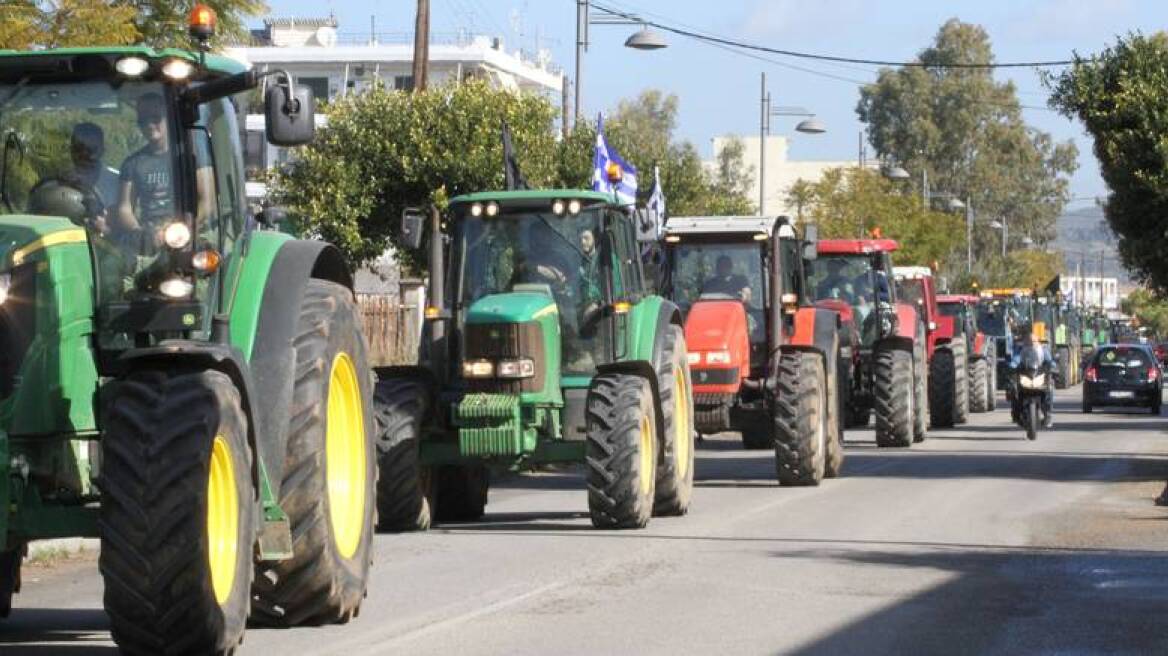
(190, 385)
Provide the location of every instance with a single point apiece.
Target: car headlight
(520, 368)
(478, 369)
(717, 357)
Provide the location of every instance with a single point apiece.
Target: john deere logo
(188, 320)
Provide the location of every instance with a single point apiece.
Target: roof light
(573, 206)
(201, 22)
(492, 208)
(762, 236)
(177, 69)
(673, 239)
(557, 207)
(131, 66)
(476, 209)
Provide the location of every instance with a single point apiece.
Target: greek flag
(626, 189)
(651, 223)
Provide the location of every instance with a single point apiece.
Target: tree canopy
(1149, 309)
(1121, 96)
(385, 150)
(71, 23)
(966, 131)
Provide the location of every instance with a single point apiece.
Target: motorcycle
(1029, 382)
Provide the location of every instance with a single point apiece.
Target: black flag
(1054, 286)
(511, 172)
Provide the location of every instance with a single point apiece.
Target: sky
(719, 90)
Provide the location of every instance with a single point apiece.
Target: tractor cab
(857, 274)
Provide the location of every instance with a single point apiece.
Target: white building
(781, 172)
(1087, 290)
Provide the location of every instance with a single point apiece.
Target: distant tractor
(178, 379)
(1051, 325)
(889, 378)
(765, 362)
(945, 351)
(982, 371)
(542, 344)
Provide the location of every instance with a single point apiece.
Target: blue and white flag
(651, 223)
(626, 188)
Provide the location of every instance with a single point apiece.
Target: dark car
(1123, 374)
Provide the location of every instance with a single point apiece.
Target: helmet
(57, 198)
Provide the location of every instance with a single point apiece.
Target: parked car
(1161, 351)
(1123, 375)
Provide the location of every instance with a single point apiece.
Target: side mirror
(412, 223)
(811, 232)
(290, 120)
(810, 250)
(270, 217)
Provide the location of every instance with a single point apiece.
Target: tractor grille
(503, 341)
(17, 325)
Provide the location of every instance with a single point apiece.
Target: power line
(828, 58)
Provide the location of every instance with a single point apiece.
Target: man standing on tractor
(86, 148)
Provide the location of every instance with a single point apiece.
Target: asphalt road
(975, 541)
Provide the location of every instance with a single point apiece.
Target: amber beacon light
(201, 22)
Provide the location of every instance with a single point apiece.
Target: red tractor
(945, 349)
(982, 374)
(884, 339)
(763, 360)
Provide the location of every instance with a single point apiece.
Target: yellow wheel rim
(681, 422)
(222, 520)
(647, 469)
(345, 456)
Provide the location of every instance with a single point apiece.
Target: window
(319, 86)
(403, 82)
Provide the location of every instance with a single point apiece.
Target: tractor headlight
(5, 283)
(478, 369)
(717, 357)
(131, 66)
(177, 69)
(519, 368)
(176, 288)
(693, 357)
(177, 235)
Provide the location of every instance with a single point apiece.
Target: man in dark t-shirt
(725, 281)
(147, 195)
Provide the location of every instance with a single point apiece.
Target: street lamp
(897, 173)
(809, 125)
(643, 39)
(1001, 225)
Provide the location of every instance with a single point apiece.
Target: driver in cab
(726, 282)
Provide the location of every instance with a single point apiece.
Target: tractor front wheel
(978, 382)
(800, 407)
(328, 479)
(943, 388)
(622, 451)
(893, 392)
(675, 392)
(405, 490)
(178, 514)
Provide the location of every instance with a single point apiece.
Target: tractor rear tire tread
(318, 585)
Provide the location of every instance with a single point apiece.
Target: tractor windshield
(562, 252)
(708, 270)
(911, 290)
(991, 318)
(103, 156)
(849, 278)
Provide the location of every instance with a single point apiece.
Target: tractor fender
(815, 328)
(273, 358)
(180, 354)
(906, 321)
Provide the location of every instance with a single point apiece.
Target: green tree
(385, 150)
(1121, 96)
(30, 24)
(966, 131)
(852, 202)
(163, 23)
(1149, 309)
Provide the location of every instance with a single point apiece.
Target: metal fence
(390, 328)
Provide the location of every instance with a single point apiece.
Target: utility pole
(1100, 277)
(565, 107)
(969, 235)
(421, 45)
(581, 48)
(762, 132)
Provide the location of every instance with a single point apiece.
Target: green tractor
(545, 345)
(176, 378)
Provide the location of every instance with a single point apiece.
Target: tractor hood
(22, 236)
(511, 307)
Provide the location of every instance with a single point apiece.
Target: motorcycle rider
(1030, 342)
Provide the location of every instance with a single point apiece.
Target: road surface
(975, 541)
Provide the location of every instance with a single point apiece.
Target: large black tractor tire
(675, 466)
(621, 452)
(921, 411)
(327, 485)
(800, 408)
(1062, 363)
(461, 492)
(178, 513)
(961, 382)
(943, 388)
(979, 380)
(892, 390)
(836, 411)
(405, 499)
(10, 576)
